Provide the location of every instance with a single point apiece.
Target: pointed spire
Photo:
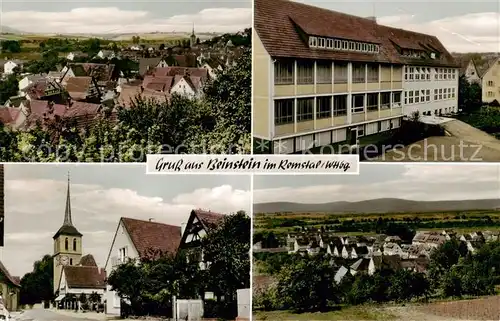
(67, 213)
(192, 34)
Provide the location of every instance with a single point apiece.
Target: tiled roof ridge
(147, 221)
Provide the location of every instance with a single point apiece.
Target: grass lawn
(349, 313)
(22, 55)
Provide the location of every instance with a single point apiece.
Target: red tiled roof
(78, 84)
(174, 71)
(85, 277)
(282, 27)
(147, 235)
(82, 112)
(100, 72)
(9, 115)
(11, 279)
(129, 93)
(209, 219)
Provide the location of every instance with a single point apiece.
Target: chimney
(372, 18)
(183, 228)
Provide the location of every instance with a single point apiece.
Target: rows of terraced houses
(340, 79)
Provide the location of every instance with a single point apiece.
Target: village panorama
(397, 242)
(119, 97)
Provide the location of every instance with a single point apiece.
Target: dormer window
(345, 45)
(313, 42)
(433, 55)
(321, 42)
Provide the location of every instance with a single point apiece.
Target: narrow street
(39, 314)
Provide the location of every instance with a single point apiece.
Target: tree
(444, 258)
(405, 285)
(11, 46)
(37, 286)
(150, 283)
(227, 128)
(162, 47)
(227, 249)
(469, 95)
(308, 285)
(8, 88)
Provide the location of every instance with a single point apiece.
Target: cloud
(35, 210)
(115, 20)
(419, 182)
(478, 32)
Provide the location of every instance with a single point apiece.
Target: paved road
(45, 315)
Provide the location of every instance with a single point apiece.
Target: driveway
(464, 144)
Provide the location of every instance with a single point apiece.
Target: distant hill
(382, 205)
(5, 29)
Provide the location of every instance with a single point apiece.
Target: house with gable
(76, 54)
(199, 224)
(83, 88)
(9, 66)
(10, 289)
(470, 71)
(490, 80)
(29, 79)
(147, 65)
(133, 240)
(44, 89)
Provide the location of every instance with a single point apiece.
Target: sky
(413, 182)
(35, 197)
(113, 16)
(461, 25)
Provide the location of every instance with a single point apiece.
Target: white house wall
(432, 105)
(121, 240)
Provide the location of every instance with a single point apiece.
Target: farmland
(354, 224)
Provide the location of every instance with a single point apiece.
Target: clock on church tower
(67, 243)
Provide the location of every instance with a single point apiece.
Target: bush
(266, 300)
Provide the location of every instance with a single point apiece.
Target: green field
(282, 223)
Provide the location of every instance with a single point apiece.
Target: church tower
(192, 38)
(67, 243)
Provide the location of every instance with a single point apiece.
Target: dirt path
(413, 314)
(483, 309)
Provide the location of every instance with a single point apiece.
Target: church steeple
(192, 38)
(67, 213)
(67, 228)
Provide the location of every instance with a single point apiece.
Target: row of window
(328, 106)
(284, 72)
(425, 73)
(491, 93)
(440, 111)
(284, 109)
(296, 144)
(336, 44)
(424, 95)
